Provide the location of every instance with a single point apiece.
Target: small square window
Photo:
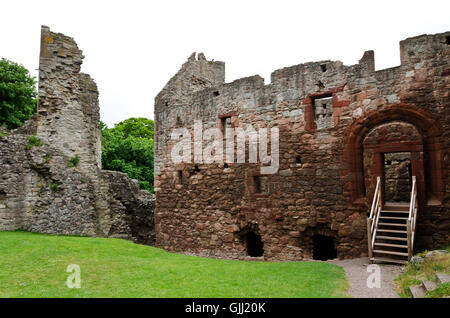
(323, 111)
(260, 184)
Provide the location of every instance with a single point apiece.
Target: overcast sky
(132, 48)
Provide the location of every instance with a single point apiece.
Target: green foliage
(137, 127)
(33, 141)
(128, 148)
(73, 162)
(17, 94)
(34, 265)
(54, 187)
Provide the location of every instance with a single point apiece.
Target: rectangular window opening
(225, 123)
(260, 184)
(323, 111)
(180, 177)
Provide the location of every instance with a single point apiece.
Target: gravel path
(357, 275)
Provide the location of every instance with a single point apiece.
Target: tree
(17, 94)
(137, 127)
(128, 148)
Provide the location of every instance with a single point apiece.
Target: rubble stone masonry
(336, 122)
(40, 189)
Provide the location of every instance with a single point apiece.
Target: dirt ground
(358, 274)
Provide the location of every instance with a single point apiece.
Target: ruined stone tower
(68, 113)
(56, 185)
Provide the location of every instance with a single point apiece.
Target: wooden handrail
(373, 218)
(375, 195)
(412, 217)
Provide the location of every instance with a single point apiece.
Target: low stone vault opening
(324, 247)
(251, 239)
(255, 246)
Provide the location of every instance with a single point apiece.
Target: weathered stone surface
(39, 190)
(429, 285)
(417, 291)
(335, 123)
(443, 278)
(435, 252)
(417, 260)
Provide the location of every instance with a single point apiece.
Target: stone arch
(395, 140)
(430, 130)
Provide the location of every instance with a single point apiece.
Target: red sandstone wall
(324, 194)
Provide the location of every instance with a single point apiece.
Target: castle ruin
(340, 127)
(40, 191)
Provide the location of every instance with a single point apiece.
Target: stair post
(408, 233)
(369, 237)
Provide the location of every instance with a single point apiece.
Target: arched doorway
(394, 151)
(428, 168)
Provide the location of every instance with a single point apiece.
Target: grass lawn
(34, 265)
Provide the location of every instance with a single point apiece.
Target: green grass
(34, 265)
(443, 290)
(414, 274)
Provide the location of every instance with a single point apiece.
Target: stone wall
(41, 189)
(320, 188)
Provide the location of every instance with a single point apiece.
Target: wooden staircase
(391, 228)
(391, 242)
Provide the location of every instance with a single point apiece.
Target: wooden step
(393, 211)
(392, 224)
(382, 237)
(393, 218)
(390, 252)
(391, 231)
(391, 245)
(388, 260)
(390, 206)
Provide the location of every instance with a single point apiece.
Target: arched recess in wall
(394, 151)
(431, 131)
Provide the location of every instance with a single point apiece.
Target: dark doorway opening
(255, 247)
(324, 247)
(397, 176)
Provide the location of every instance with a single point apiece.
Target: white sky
(132, 48)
